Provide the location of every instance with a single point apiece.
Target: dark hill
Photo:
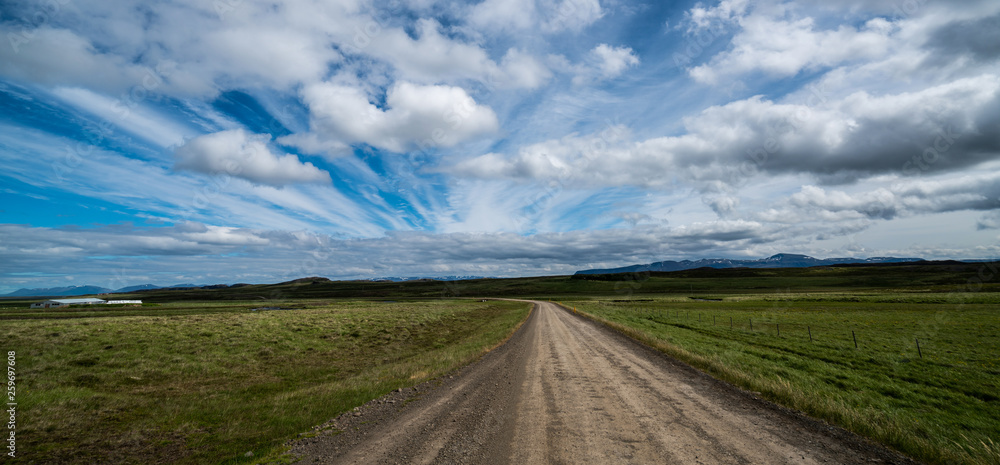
(58, 291)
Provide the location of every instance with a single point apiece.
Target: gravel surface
(564, 389)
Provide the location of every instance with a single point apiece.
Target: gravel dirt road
(567, 390)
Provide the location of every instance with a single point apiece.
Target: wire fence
(915, 338)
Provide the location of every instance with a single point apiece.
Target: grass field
(941, 405)
(208, 382)
(195, 377)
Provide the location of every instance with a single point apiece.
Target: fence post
(855, 339)
(730, 322)
(810, 333)
(751, 323)
(918, 348)
(778, 327)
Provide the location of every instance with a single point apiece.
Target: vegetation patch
(852, 362)
(211, 386)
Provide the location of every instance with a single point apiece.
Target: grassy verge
(210, 387)
(941, 405)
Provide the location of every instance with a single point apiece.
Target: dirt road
(566, 390)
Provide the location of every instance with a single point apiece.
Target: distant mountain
(781, 260)
(88, 290)
(140, 287)
(58, 291)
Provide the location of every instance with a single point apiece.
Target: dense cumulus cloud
(246, 156)
(493, 138)
(946, 127)
(417, 116)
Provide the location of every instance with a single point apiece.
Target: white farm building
(57, 303)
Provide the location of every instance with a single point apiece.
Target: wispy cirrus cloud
(491, 138)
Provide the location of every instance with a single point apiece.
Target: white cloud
(722, 205)
(219, 235)
(198, 249)
(726, 11)
(573, 158)
(59, 57)
(571, 15)
(130, 114)
(240, 154)
(521, 70)
(990, 220)
(603, 62)
(902, 198)
(903, 122)
(880, 203)
(504, 14)
(417, 116)
(942, 128)
(550, 16)
(894, 45)
(196, 49)
(783, 47)
(432, 57)
(250, 43)
(274, 56)
(146, 187)
(205, 253)
(613, 61)
(193, 48)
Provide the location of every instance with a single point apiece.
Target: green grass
(208, 382)
(943, 407)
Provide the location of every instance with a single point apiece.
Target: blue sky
(242, 141)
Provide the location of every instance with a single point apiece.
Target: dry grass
(204, 388)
